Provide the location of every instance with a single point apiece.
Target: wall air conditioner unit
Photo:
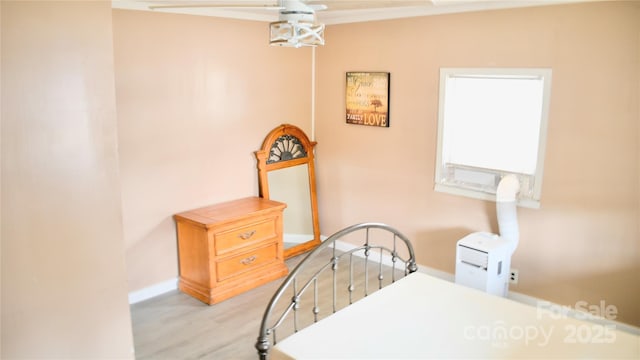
(483, 260)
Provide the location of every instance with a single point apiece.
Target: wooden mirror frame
(269, 160)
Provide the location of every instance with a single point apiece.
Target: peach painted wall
(195, 98)
(64, 291)
(584, 243)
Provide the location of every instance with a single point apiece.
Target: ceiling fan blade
(237, 5)
(317, 7)
(339, 5)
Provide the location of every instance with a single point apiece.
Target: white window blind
(492, 122)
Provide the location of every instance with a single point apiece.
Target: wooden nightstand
(228, 248)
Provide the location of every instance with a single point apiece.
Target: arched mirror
(286, 173)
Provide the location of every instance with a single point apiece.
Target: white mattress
(422, 317)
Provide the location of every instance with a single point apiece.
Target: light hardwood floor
(176, 326)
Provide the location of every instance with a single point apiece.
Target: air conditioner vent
(474, 257)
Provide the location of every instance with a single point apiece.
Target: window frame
(530, 194)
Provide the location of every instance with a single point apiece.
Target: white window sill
(476, 194)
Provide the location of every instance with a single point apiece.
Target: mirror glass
(291, 186)
(286, 173)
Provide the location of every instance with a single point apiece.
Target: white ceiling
(337, 12)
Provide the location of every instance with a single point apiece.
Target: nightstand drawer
(245, 236)
(245, 262)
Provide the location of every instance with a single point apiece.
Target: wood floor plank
(177, 326)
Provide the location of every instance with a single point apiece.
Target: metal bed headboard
(298, 287)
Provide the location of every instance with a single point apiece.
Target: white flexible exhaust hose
(506, 193)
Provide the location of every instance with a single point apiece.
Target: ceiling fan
(296, 25)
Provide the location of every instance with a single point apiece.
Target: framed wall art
(368, 98)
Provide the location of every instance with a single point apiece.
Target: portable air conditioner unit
(483, 260)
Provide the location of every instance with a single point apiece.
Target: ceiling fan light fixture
(294, 33)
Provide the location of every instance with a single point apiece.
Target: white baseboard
(153, 291)
(515, 296)
(570, 312)
(296, 238)
(172, 284)
(386, 260)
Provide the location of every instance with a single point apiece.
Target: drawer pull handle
(247, 235)
(249, 260)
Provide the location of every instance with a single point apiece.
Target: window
(492, 122)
